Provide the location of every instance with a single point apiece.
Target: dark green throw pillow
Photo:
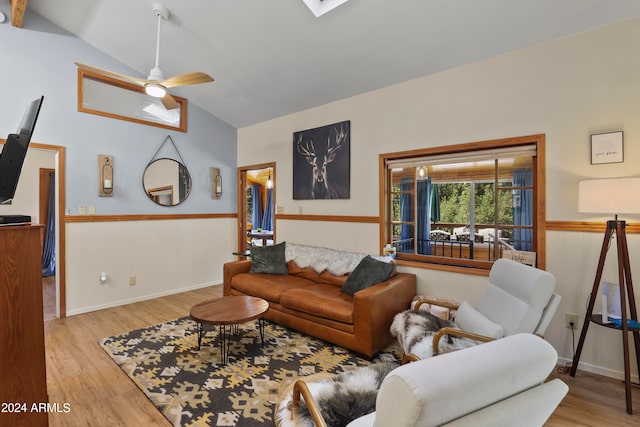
(268, 259)
(369, 272)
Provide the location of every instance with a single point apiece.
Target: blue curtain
(267, 219)
(424, 213)
(523, 209)
(49, 253)
(406, 214)
(256, 194)
(434, 201)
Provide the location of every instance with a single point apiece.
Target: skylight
(320, 7)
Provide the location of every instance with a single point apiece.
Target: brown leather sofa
(314, 304)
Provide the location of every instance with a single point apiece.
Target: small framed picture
(607, 148)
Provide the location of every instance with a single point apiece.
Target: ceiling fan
(156, 85)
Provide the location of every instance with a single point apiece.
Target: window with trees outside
(465, 205)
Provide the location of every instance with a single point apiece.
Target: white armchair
(501, 383)
(518, 298)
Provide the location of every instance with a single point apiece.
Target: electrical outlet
(132, 280)
(570, 318)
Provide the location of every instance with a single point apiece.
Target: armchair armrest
(300, 389)
(451, 305)
(457, 332)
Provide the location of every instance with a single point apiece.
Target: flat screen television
(15, 150)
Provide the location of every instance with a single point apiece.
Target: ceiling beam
(18, 8)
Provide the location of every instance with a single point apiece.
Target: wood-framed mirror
(117, 99)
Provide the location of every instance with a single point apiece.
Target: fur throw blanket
(415, 330)
(320, 259)
(341, 398)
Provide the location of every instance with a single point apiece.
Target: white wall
(566, 89)
(165, 256)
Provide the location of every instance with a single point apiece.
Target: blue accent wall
(38, 59)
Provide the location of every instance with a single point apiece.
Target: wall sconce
(216, 183)
(105, 175)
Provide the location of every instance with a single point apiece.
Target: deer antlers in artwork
(320, 187)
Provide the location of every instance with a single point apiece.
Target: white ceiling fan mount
(155, 84)
(162, 13)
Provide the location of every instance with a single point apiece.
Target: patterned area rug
(192, 388)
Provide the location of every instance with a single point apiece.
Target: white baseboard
(599, 370)
(140, 298)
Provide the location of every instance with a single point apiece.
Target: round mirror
(166, 182)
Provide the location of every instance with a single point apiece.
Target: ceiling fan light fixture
(156, 90)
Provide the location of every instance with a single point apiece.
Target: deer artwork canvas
(321, 161)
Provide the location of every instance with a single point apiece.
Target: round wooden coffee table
(227, 312)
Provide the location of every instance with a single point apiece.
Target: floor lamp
(613, 196)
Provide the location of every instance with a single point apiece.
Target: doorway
(256, 205)
(47, 218)
(57, 291)
(60, 305)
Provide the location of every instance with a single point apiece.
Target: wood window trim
(539, 194)
(120, 84)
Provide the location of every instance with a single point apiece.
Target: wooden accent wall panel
(23, 380)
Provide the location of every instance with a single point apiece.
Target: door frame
(61, 288)
(242, 201)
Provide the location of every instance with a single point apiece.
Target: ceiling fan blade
(168, 102)
(187, 79)
(113, 74)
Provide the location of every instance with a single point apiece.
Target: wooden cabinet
(23, 380)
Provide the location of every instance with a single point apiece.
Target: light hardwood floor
(81, 374)
(49, 297)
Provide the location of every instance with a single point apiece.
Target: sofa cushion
(309, 273)
(268, 259)
(368, 272)
(266, 286)
(320, 300)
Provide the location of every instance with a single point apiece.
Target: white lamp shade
(611, 196)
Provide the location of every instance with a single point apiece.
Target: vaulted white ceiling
(274, 57)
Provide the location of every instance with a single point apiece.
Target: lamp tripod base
(626, 292)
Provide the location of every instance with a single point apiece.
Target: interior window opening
(468, 208)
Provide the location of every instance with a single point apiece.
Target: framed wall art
(321, 162)
(607, 148)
